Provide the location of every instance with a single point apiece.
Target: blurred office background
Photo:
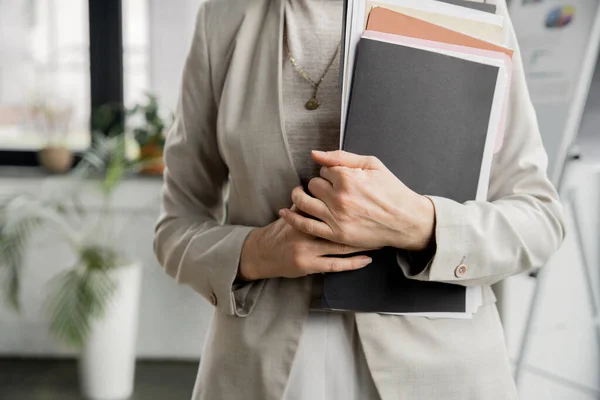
(60, 75)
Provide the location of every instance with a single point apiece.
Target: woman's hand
(278, 250)
(359, 202)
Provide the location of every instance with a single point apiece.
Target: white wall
(564, 359)
(589, 135)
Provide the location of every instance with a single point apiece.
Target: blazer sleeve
(191, 242)
(521, 225)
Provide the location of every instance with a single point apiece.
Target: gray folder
(485, 7)
(424, 114)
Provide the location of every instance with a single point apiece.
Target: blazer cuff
(451, 246)
(231, 296)
(452, 239)
(221, 257)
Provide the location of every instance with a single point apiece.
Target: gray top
(313, 31)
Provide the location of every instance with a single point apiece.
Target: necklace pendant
(312, 104)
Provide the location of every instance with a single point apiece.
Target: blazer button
(213, 299)
(461, 271)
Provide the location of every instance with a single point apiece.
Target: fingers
(332, 264)
(321, 189)
(326, 247)
(309, 205)
(307, 225)
(340, 158)
(330, 174)
(338, 177)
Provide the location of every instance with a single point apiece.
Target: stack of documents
(425, 89)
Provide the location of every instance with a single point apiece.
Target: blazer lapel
(251, 127)
(278, 64)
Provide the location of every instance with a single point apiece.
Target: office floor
(57, 380)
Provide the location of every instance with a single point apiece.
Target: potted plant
(93, 304)
(52, 120)
(149, 129)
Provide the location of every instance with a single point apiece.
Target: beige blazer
(229, 139)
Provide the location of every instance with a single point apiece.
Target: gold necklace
(312, 103)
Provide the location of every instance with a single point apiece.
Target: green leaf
(107, 119)
(80, 298)
(153, 126)
(99, 258)
(116, 168)
(10, 272)
(15, 232)
(105, 160)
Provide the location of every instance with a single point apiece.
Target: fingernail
(318, 152)
(367, 260)
(282, 213)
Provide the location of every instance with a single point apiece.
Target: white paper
(440, 315)
(345, 81)
(474, 299)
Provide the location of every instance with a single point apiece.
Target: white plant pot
(107, 363)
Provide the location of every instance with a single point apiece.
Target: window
(44, 74)
(51, 73)
(135, 50)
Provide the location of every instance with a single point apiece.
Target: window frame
(106, 70)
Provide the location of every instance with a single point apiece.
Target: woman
(253, 106)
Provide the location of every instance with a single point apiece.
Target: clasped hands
(357, 205)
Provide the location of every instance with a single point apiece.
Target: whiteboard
(559, 44)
